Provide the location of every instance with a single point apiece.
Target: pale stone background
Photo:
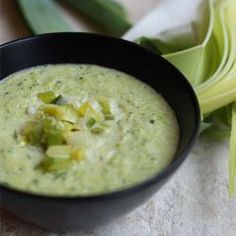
(194, 202)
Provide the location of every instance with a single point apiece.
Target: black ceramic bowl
(74, 213)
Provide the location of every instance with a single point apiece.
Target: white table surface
(194, 202)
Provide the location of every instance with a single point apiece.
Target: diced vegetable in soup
(82, 130)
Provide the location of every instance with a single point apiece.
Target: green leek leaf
(108, 14)
(220, 89)
(43, 16)
(186, 60)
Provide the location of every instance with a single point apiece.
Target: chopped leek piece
(59, 151)
(109, 117)
(54, 164)
(68, 128)
(76, 139)
(83, 109)
(49, 123)
(69, 113)
(55, 137)
(47, 97)
(90, 122)
(106, 108)
(32, 132)
(19, 138)
(99, 128)
(87, 110)
(77, 154)
(52, 110)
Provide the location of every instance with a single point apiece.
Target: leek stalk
(232, 159)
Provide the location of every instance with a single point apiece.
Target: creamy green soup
(82, 130)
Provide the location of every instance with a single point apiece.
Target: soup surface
(82, 130)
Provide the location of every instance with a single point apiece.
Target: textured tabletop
(194, 202)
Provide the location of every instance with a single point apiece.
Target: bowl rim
(167, 171)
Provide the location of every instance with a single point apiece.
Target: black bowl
(74, 213)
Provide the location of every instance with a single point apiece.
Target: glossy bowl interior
(74, 213)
